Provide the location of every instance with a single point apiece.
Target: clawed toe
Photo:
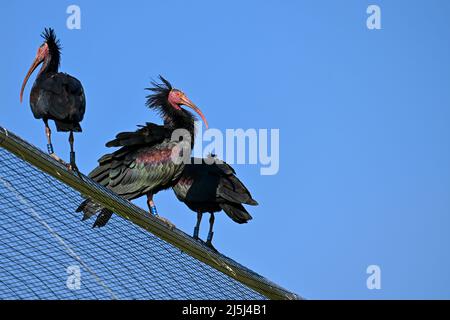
(73, 167)
(210, 245)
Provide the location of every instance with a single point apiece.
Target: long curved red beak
(185, 100)
(37, 61)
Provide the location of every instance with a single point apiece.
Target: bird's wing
(215, 182)
(230, 187)
(148, 134)
(196, 184)
(63, 96)
(133, 172)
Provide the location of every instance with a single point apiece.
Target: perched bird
(54, 95)
(210, 185)
(144, 165)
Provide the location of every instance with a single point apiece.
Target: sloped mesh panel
(42, 239)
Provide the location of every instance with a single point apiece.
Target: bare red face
(175, 98)
(41, 55)
(178, 98)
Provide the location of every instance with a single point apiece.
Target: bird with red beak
(143, 164)
(55, 96)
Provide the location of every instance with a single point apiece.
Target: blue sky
(363, 117)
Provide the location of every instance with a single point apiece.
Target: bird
(210, 185)
(143, 165)
(55, 96)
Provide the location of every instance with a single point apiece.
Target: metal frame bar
(129, 211)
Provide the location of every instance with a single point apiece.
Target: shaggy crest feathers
(49, 36)
(158, 100)
(54, 45)
(160, 93)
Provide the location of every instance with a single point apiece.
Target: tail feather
(102, 218)
(233, 190)
(236, 212)
(91, 208)
(67, 126)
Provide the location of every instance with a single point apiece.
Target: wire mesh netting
(46, 252)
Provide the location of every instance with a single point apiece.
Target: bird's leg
(72, 165)
(48, 133)
(211, 233)
(72, 152)
(154, 212)
(151, 205)
(51, 152)
(197, 226)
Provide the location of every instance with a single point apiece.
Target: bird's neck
(184, 120)
(50, 65)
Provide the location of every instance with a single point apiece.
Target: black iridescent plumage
(143, 164)
(211, 187)
(55, 96)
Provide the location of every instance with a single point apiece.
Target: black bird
(143, 165)
(210, 185)
(54, 95)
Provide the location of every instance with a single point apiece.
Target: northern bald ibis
(212, 186)
(55, 96)
(143, 165)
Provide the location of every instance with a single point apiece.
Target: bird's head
(169, 101)
(48, 53)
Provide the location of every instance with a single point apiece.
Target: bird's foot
(210, 245)
(166, 221)
(154, 213)
(73, 166)
(209, 241)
